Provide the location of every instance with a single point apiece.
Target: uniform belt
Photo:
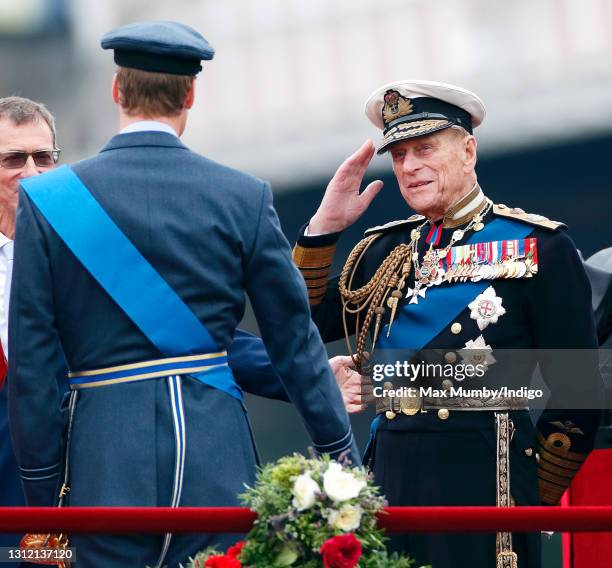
(412, 405)
(497, 403)
(145, 370)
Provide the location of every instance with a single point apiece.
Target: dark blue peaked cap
(162, 47)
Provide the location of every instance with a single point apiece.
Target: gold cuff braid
(557, 466)
(314, 264)
(550, 493)
(315, 257)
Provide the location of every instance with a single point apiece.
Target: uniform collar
(465, 208)
(143, 138)
(148, 126)
(460, 213)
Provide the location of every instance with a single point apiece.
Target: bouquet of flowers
(312, 513)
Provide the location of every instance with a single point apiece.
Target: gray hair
(460, 130)
(20, 110)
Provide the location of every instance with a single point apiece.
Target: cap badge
(395, 106)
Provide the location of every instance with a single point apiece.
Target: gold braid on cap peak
(374, 295)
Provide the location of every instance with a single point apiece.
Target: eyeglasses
(42, 158)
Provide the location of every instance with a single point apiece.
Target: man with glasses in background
(27, 148)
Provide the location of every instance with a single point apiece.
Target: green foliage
(380, 559)
(282, 527)
(301, 503)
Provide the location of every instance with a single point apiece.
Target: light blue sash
(137, 288)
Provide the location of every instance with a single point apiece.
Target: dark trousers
(448, 467)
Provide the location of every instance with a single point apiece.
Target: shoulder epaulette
(531, 218)
(393, 224)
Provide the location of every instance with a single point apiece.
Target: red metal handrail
(137, 520)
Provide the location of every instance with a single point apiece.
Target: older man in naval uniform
(138, 259)
(460, 276)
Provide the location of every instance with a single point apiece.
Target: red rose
(235, 550)
(222, 561)
(342, 551)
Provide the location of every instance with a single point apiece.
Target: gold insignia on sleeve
(557, 466)
(313, 257)
(314, 264)
(568, 427)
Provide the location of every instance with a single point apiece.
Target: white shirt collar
(148, 126)
(4, 240)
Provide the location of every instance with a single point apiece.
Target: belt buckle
(410, 405)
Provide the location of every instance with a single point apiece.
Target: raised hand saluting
(342, 203)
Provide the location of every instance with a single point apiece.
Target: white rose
(341, 485)
(347, 519)
(305, 490)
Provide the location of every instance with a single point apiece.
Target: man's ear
(189, 99)
(115, 90)
(470, 146)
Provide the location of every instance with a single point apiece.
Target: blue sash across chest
(417, 324)
(133, 283)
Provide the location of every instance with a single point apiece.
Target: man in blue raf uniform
(139, 259)
(468, 278)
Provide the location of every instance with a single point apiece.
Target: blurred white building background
(283, 99)
(284, 96)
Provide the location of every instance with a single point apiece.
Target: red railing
(122, 520)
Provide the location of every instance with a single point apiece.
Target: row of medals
(516, 268)
(432, 274)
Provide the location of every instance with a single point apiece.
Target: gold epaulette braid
(373, 296)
